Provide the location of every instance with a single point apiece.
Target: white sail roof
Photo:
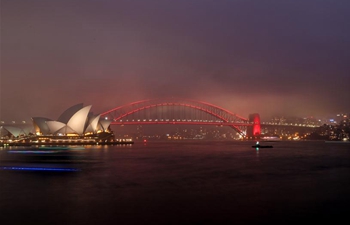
(92, 127)
(55, 126)
(77, 121)
(40, 123)
(66, 130)
(105, 123)
(68, 113)
(15, 131)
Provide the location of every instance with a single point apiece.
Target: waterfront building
(75, 121)
(75, 125)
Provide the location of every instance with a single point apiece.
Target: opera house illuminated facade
(75, 121)
(75, 125)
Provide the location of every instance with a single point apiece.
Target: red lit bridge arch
(182, 111)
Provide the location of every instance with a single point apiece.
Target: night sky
(274, 57)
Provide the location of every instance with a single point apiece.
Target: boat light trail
(39, 169)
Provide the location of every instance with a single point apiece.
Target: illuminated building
(75, 121)
(76, 125)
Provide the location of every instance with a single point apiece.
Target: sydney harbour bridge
(184, 112)
(178, 111)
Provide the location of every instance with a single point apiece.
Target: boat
(257, 145)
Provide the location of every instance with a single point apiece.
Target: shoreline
(66, 143)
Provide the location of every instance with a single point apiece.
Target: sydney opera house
(75, 121)
(76, 124)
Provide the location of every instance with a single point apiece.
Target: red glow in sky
(273, 57)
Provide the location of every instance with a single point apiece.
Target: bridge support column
(254, 131)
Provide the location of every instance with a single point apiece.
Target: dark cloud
(288, 57)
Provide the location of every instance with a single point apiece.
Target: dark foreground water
(179, 183)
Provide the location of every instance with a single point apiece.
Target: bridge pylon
(254, 131)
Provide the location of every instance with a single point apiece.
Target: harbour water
(178, 183)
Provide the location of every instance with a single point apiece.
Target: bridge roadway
(179, 122)
(289, 125)
(189, 122)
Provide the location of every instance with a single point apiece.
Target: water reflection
(257, 153)
(185, 183)
(26, 168)
(46, 158)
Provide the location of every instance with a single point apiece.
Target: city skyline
(272, 57)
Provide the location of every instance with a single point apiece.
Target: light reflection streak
(35, 152)
(39, 169)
